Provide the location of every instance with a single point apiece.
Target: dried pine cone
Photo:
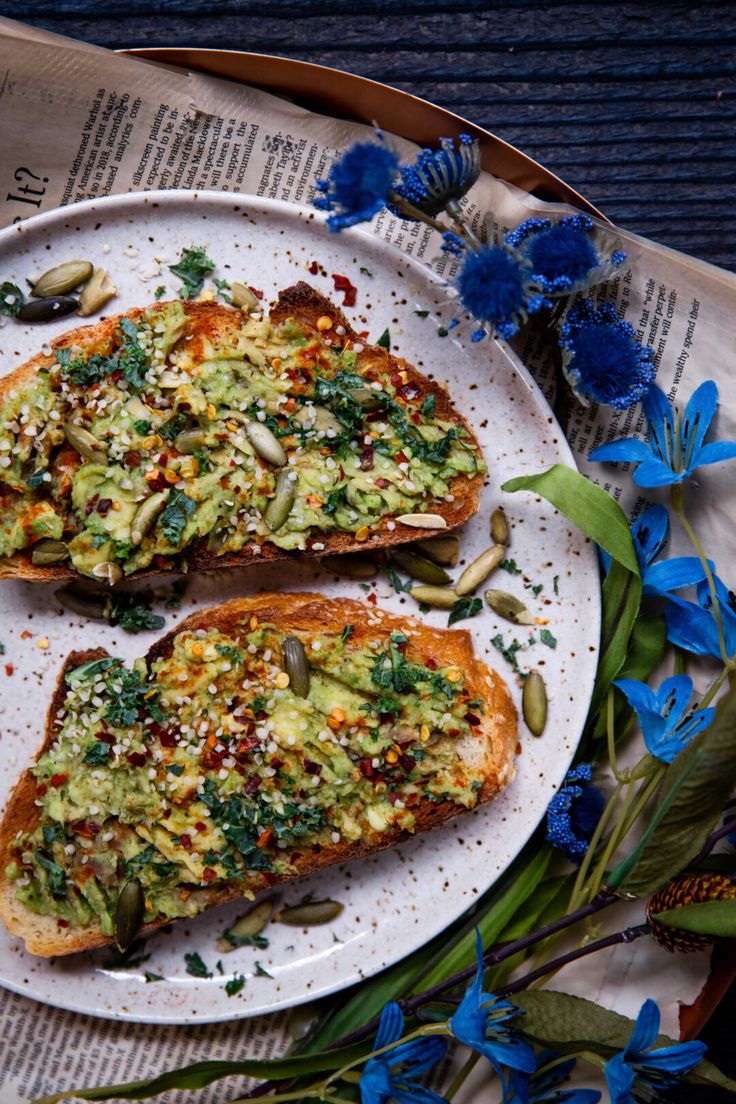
(689, 889)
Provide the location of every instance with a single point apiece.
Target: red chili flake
(314, 268)
(253, 785)
(208, 874)
(9, 669)
(166, 814)
(375, 416)
(366, 768)
(105, 738)
(407, 763)
(277, 763)
(256, 291)
(372, 599)
(103, 506)
(58, 779)
(91, 505)
(41, 790)
(472, 719)
(408, 391)
(394, 797)
(310, 767)
(350, 291)
(431, 664)
(396, 379)
(453, 732)
(411, 800)
(200, 826)
(401, 457)
(264, 838)
(167, 738)
(94, 828)
(381, 482)
(416, 419)
(366, 458)
(62, 923)
(137, 758)
(185, 841)
(84, 829)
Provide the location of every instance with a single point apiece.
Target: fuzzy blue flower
(676, 446)
(601, 357)
(358, 184)
(656, 1069)
(567, 256)
(481, 1023)
(659, 577)
(574, 812)
(692, 626)
(392, 1076)
(496, 289)
(440, 177)
(666, 723)
(543, 1087)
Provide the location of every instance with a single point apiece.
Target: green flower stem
(611, 735)
(627, 817)
(577, 895)
(714, 687)
(729, 661)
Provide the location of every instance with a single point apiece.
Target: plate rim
(265, 204)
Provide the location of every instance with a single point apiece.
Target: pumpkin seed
(62, 278)
(478, 571)
(499, 526)
(296, 666)
(96, 293)
(189, 440)
(280, 505)
(94, 604)
(441, 597)
(265, 443)
(310, 913)
(420, 568)
(534, 703)
(85, 443)
(128, 914)
(423, 521)
(242, 296)
(47, 310)
(146, 515)
(442, 550)
(318, 418)
(138, 409)
(111, 572)
(351, 567)
(47, 552)
(509, 607)
(245, 927)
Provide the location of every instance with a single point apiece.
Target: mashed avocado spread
(208, 768)
(126, 453)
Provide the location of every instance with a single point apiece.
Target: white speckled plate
(398, 900)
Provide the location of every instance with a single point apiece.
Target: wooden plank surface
(633, 103)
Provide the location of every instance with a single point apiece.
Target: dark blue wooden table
(633, 103)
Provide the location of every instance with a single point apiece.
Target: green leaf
(601, 519)
(694, 790)
(463, 608)
(717, 918)
(385, 339)
(201, 1074)
(191, 269)
(569, 1024)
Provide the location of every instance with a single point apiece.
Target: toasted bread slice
(476, 752)
(206, 326)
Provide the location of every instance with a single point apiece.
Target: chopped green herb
(34, 481)
(131, 694)
(334, 499)
(397, 582)
(260, 972)
(508, 653)
(11, 299)
(442, 331)
(159, 292)
(178, 510)
(132, 612)
(259, 941)
(150, 856)
(336, 938)
(126, 960)
(222, 286)
(191, 269)
(143, 426)
(219, 967)
(547, 638)
(234, 985)
(385, 339)
(150, 977)
(97, 754)
(347, 632)
(55, 874)
(536, 589)
(555, 583)
(429, 406)
(130, 358)
(365, 271)
(463, 608)
(2, 649)
(510, 566)
(195, 966)
(176, 769)
(422, 314)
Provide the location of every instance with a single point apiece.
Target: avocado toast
(259, 741)
(190, 435)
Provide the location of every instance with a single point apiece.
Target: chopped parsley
(547, 638)
(195, 966)
(334, 499)
(463, 608)
(234, 985)
(442, 331)
(11, 299)
(35, 480)
(259, 941)
(129, 359)
(143, 426)
(422, 314)
(150, 977)
(204, 464)
(97, 754)
(151, 858)
(392, 673)
(555, 584)
(229, 651)
(508, 653)
(397, 582)
(429, 406)
(133, 613)
(347, 632)
(191, 269)
(365, 271)
(129, 695)
(510, 566)
(222, 289)
(159, 292)
(385, 339)
(177, 769)
(178, 510)
(55, 874)
(260, 972)
(173, 427)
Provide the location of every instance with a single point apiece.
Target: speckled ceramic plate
(398, 900)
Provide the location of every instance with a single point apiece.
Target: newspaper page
(79, 122)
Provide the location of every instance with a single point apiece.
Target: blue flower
(657, 1069)
(392, 1076)
(666, 724)
(574, 812)
(601, 357)
(692, 626)
(542, 1088)
(659, 577)
(440, 177)
(566, 256)
(480, 1023)
(676, 447)
(496, 288)
(358, 184)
